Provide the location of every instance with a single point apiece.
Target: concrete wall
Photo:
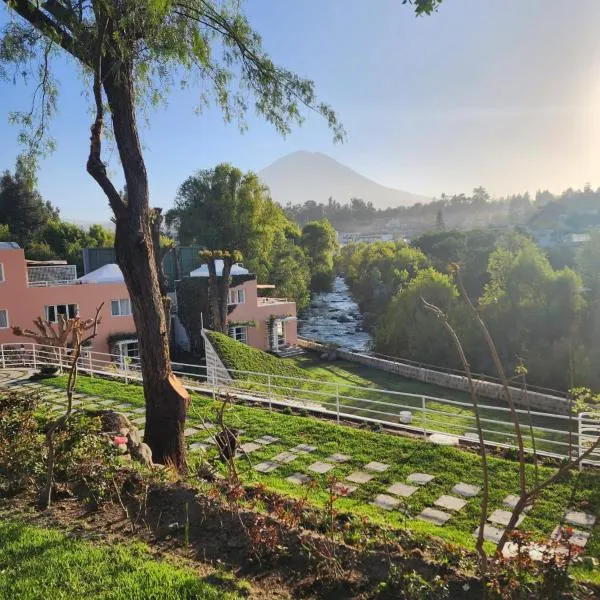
(485, 389)
(25, 303)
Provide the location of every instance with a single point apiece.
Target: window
(237, 296)
(1, 272)
(69, 311)
(3, 319)
(239, 334)
(120, 308)
(128, 352)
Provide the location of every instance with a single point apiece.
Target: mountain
(302, 176)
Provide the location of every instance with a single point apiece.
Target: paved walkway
(444, 508)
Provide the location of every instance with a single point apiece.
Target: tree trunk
(166, 399)
(218, 293)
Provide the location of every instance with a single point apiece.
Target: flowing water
(335, 317)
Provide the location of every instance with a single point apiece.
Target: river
(335, 317)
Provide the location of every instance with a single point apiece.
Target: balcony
(51, 275)
(270, 301)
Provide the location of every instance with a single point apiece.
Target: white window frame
(237, 296)
(56, 313)
(2, 273)
(122, 351)
(239, 333)
(5, 311)
(120, 302)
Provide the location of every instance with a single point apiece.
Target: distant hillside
(303, 176)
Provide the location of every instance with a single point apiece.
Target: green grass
(361, 390)
(405, 455)
(38, 563)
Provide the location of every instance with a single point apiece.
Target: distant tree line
(542, 316)
(35, 224)
(569, 211)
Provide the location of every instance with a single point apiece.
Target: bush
(21, 441)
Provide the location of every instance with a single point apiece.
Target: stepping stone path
(266, 467)
(285, 457)
(386, 502)
(502, 517)
(189, 431)
(320, 467)
(466, 490)
(511, 501)
(344, 489)
(265, 440)
(450, 503)
(442, 439)
(303, 449)
(490, 533)
(138, 411)
(298, 478)
(359, 477)
(199, 447)
(140, 421)
(248, 447)
(419, 478)
(580, 519)
(439, 517)
(338, 458)
(578, 537)
(376, 466)
(401, 489)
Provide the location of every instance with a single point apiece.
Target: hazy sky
(500, 93)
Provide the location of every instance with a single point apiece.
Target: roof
(9, 246)
(109, 273)
(236, 269)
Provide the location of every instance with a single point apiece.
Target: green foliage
(35, 559)
(319, 240)
(223, 209)
(241, 357)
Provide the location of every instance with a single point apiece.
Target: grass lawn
(361, 390)
(38, 563)
(404, 455)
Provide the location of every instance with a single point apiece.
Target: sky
(499, 93)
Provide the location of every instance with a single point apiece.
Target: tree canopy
(319, 240)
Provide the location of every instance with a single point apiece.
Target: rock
(142, 453)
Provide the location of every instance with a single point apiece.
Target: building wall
(25, 303)
(258, 336)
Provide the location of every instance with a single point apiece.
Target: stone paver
(450, 502)
(199, 447)
(376, 466)
(344, 489)
(285, 457)
(320, 467)
(511, 501)
(298, 478)
(439, 517)
(359, 477)
(490, 533)
(401, 489)
(502, 517)
(139, 421)
(190, 431)
(466, 489)
(578, 537)
(420, 478)
(106, 402)
(250, 447)
(303, 449)
(386, 502)
(139, 411)
(443, 439)
(266, 467)
(210, 440)
(123, 406)
(265, 440)
(581, 519)
(338, 458)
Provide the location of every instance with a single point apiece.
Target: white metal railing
(265, 300)
(50, 275)
(555, 435)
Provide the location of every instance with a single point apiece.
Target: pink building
(263, 322)
(31, 289)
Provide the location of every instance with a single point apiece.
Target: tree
(440, 224)
(131, 53)
(231, 214)
(319, 240)
(22, 208)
